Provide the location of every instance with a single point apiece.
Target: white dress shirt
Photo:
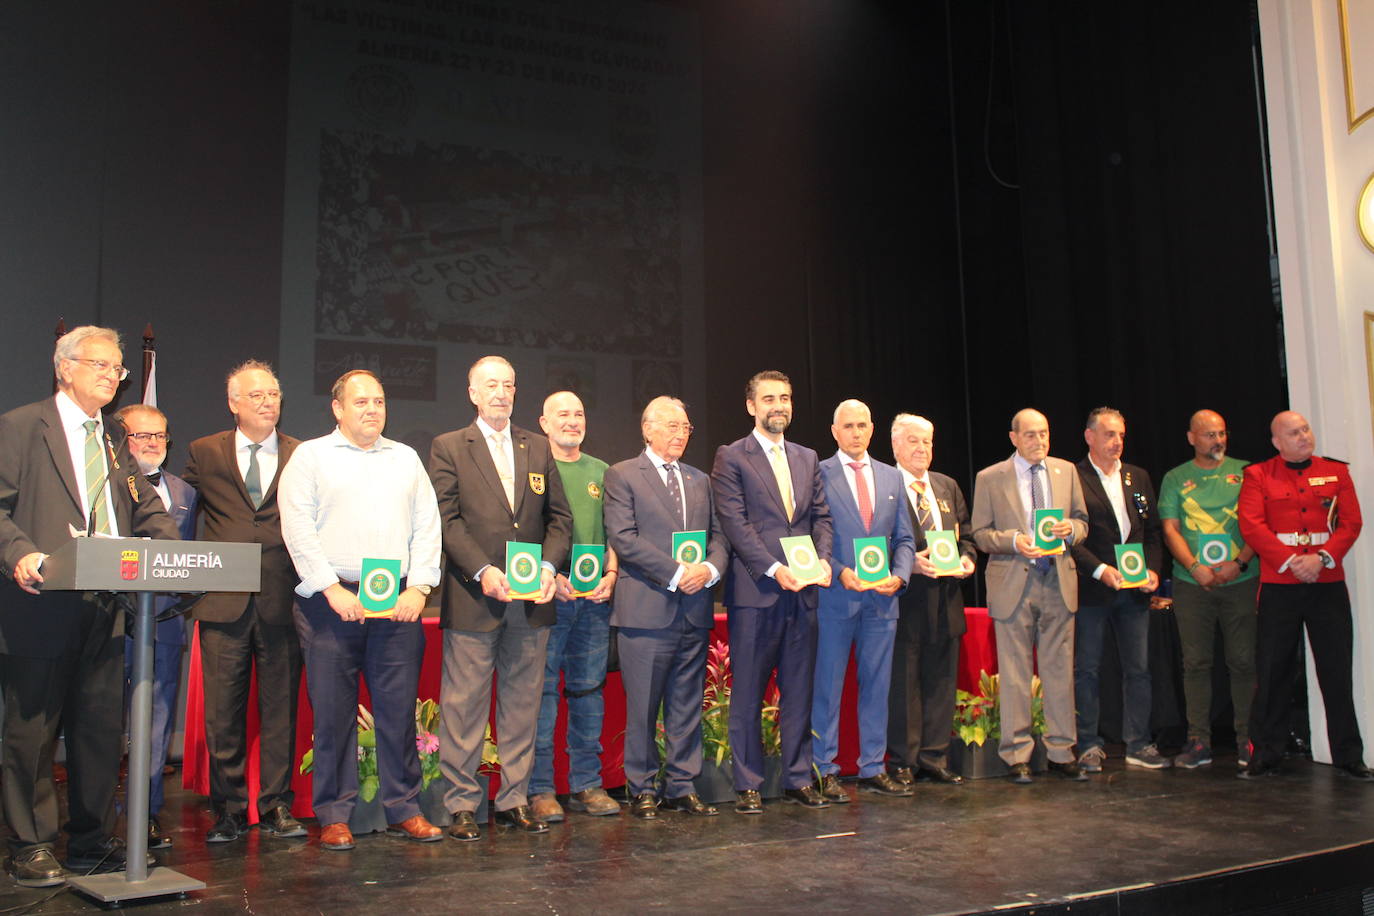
(1116, 495)
(73, 419)
(340, 503)
(768, 445)
(936, 520)
(659, 465)
(849, 474)
(268, 457)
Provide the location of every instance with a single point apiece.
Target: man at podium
(64, 471)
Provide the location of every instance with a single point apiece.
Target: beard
(777, 422)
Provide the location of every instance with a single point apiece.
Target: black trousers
(1324, 608)
(80, 691)
(228, 654)
(920, 704)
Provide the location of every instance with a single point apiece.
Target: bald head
(564, 420)
(1207, 436)
(1030, 435)
(1292, 436)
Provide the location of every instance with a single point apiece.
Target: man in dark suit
(495, 483)
(236, 474)
(1121, 510)
(766, 489)
(147, 434)
(1032, 595)
(63, 470)
(662, 607)
(925, 662)
(865, 499)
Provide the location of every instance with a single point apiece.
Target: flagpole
(149, 366)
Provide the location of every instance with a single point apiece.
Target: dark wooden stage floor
(1126, 842)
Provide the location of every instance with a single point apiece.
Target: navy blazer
(749, 507)
(890, 520)
(640, 521)
(172, 632)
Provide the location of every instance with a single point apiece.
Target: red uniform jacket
(1277, 499)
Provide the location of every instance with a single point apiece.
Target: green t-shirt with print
(1204, 502)
(582, 484)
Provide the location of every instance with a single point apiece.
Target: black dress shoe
(1020, 774)
(645, 805)
(939, 774)
(279, 823)
(1070, 771)
(1358, 770)
(520, 816)
(691, 804)
(748, 802)
(156, 838)
(108, 856)
(464, 828)
(228, 828)
(35, 868)
(903, 775)
(1257, 770)
(806, 796)
(883, 784)
(830, 787)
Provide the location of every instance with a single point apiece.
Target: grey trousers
(515, 654)
(1041, 625)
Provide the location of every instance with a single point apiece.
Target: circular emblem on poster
(524, 572)
(1214, 552)
(1045, 529)
(871, 559)
(588, 568)
(688, 552)
(381, 96)
(1132, 565)
(943, 553)
(380, 585)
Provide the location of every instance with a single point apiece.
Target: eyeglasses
(257, 397)
(675, 427)
(150, 437)
(101, 367)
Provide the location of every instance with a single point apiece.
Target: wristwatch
(423, 589)
(1244, 566)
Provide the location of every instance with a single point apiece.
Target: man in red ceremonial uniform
(1300, 514)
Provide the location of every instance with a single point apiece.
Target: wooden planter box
(980, 761)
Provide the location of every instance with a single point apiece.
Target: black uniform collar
(1299, 465)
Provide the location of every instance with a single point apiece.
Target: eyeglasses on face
(101, 367)
(150, 437)
(257, 397)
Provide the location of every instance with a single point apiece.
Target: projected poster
(515, 178)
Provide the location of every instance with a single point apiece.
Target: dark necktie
(1041, 564)
(924, 517)
(154, 478)
(252, 481)
(675, 491)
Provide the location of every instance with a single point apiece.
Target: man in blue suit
(662, 607)
(767, 489)
(147, 435)
(865, 499)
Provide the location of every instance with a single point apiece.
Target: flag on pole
(150, 383)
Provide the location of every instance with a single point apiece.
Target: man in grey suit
(495, 483)
(1032, 596)
(662, 606)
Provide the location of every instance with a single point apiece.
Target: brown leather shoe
(593, 801)
(415, 828)
(337, 837)
(546, 807)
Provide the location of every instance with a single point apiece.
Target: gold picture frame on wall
(1364, 14)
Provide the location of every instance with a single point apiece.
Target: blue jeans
(578, 643)
(1129, 617)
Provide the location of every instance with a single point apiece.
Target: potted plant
(368, 814)
(978, 729)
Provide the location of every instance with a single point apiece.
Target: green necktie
(95, 480)
(253, 479)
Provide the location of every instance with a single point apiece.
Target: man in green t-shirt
(1199, 497)
(580, 639)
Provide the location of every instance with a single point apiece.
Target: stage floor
(1053, 846)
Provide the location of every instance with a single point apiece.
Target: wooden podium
(147, 568)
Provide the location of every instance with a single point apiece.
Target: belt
(1303, 538)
